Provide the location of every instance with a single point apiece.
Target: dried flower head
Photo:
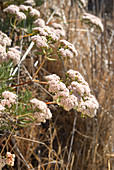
(10, 158)
(14, 54)
(39, 22)
(34, 12)
(91, 19)
(4, 39)
(12, 9)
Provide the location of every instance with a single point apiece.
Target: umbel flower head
(3, 54)
(14, 9)
(66, 49)
(14, 54)
(39, 22)
(4, 39)
(75, 96)
(93, 20)
(41, 41)
(9, 98)
(34, 12)
(2, 108)
(10, 159)
(43, 112)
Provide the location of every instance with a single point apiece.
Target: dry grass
(46, 147)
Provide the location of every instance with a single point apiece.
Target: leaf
(51, 59)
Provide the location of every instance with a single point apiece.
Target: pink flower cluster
(34, 12)
(61, 92)
(41, 41)
(58, 29)
(74, 96)
(47, 31)
(14, 9)
(14, 54)
(4, 39)
(2, 108)
(29, 2)
(3, 54)
(89, 18)
(43, 112)
(66, 49)
(9, 99)
(65, 53)
(10, 159)
(39, 22)
(52, 34)
(24, 8)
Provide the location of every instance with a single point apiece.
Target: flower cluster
(4, 39)
(66, 49)
(74, 96)
(91, 19)
(2, 108)
(62, 94)
(48, 32)
(58, 29)
(3, 54)
(24, 8)
(10, 159)
(34, 12)
(14, 9)
(52, 34)
(29, 2)
(14, 54)
(43, 112)
(9, 99)
(39, 22)
(41, 41)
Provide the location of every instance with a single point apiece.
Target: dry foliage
(46, 146)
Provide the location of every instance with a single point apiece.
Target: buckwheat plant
(75, 95)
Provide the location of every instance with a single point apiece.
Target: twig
(23, 58)
(19, 153)
(72, 139)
